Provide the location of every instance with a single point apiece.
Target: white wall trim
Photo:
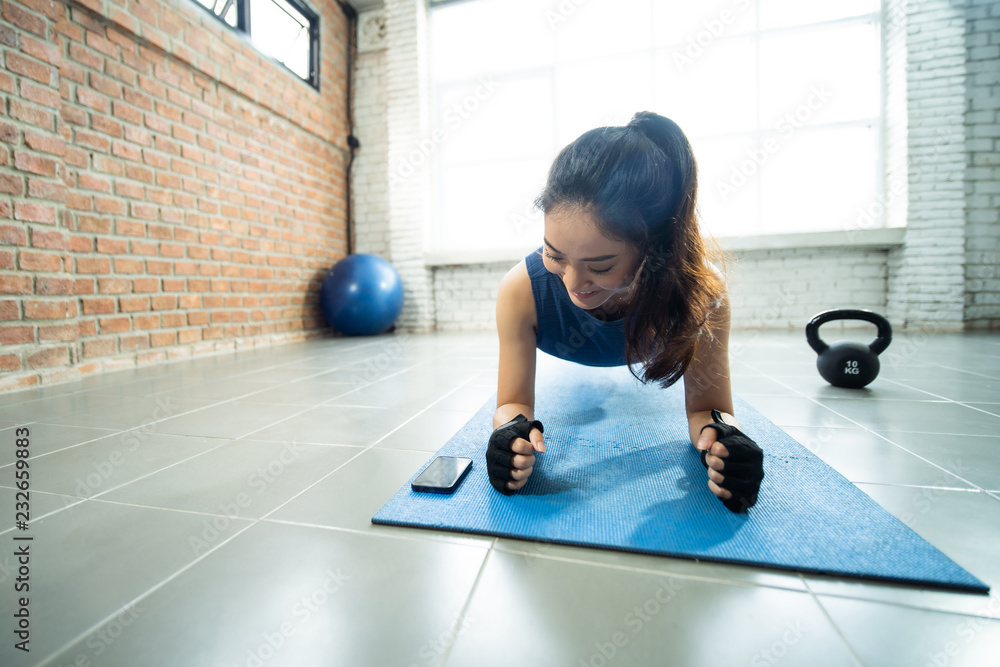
(856, 238)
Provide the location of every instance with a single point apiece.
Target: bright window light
(282, 32)
(286, 30)
(780, 99)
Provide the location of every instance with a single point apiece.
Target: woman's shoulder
(515, 300)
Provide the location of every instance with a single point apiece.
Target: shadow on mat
(659, 490)
(693, 515)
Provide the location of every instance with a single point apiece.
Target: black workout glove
(744, 467)
(499, 454)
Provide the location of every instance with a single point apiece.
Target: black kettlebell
(844, 364)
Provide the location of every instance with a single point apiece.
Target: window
(286, 30)
(781, 100)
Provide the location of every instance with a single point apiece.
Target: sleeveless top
(566, 330)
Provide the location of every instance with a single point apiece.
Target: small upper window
(286, 30)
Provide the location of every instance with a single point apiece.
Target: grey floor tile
(992, 408)
(918, 416)
(975, 458)
(290, 595)
(349, 497)
(95, 557)
(881, 389)
(115, 412)
(338, 425)
(93, 468)
(233, 419)
(244, 478)
(659, 565)
(918, 636)
(567, 613)
(393, 393)
(309, 392)
(796, 411)
(214, 390)
(428, 431)
(964, 525)
(44, 438)
(41, 504)
(862, 456)
(14, 399)
(964, 389)
(763, 385)
(470, 396)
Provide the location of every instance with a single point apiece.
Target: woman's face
(593, 268)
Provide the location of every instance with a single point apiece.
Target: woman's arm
(707, 384)
(516, 330)
(516, 324)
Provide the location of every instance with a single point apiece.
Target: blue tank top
(566, 330)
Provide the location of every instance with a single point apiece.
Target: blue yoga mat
(619, 472)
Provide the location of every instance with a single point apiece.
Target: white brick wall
(982, 182)
(465, 296)
(370, 177)
(929, 290)
(894, 120)
(784, 289)
(407, 123)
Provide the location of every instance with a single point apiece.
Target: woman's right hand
(510, 455)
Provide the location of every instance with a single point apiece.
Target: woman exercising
(623, 277)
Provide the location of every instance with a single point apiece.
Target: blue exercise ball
(362, 295)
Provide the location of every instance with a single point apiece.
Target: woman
(623, 277)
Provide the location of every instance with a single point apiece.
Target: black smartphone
(443, 475)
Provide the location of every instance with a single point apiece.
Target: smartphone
(443, 475)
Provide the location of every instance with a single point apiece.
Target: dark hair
(640, 183)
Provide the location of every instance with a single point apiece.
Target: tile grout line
(96, 390)
(218, 403)
(836, 628)
(944, 398)
(874, 433)
(459, 622)
(369, 447)
(207, 451)
(107, 619)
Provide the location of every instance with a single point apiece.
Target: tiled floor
(217, 512)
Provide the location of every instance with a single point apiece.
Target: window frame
(243, 27)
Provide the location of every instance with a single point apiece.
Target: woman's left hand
(735, 465)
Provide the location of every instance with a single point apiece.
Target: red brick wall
(165, 190)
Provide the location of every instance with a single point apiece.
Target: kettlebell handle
(877, 346)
